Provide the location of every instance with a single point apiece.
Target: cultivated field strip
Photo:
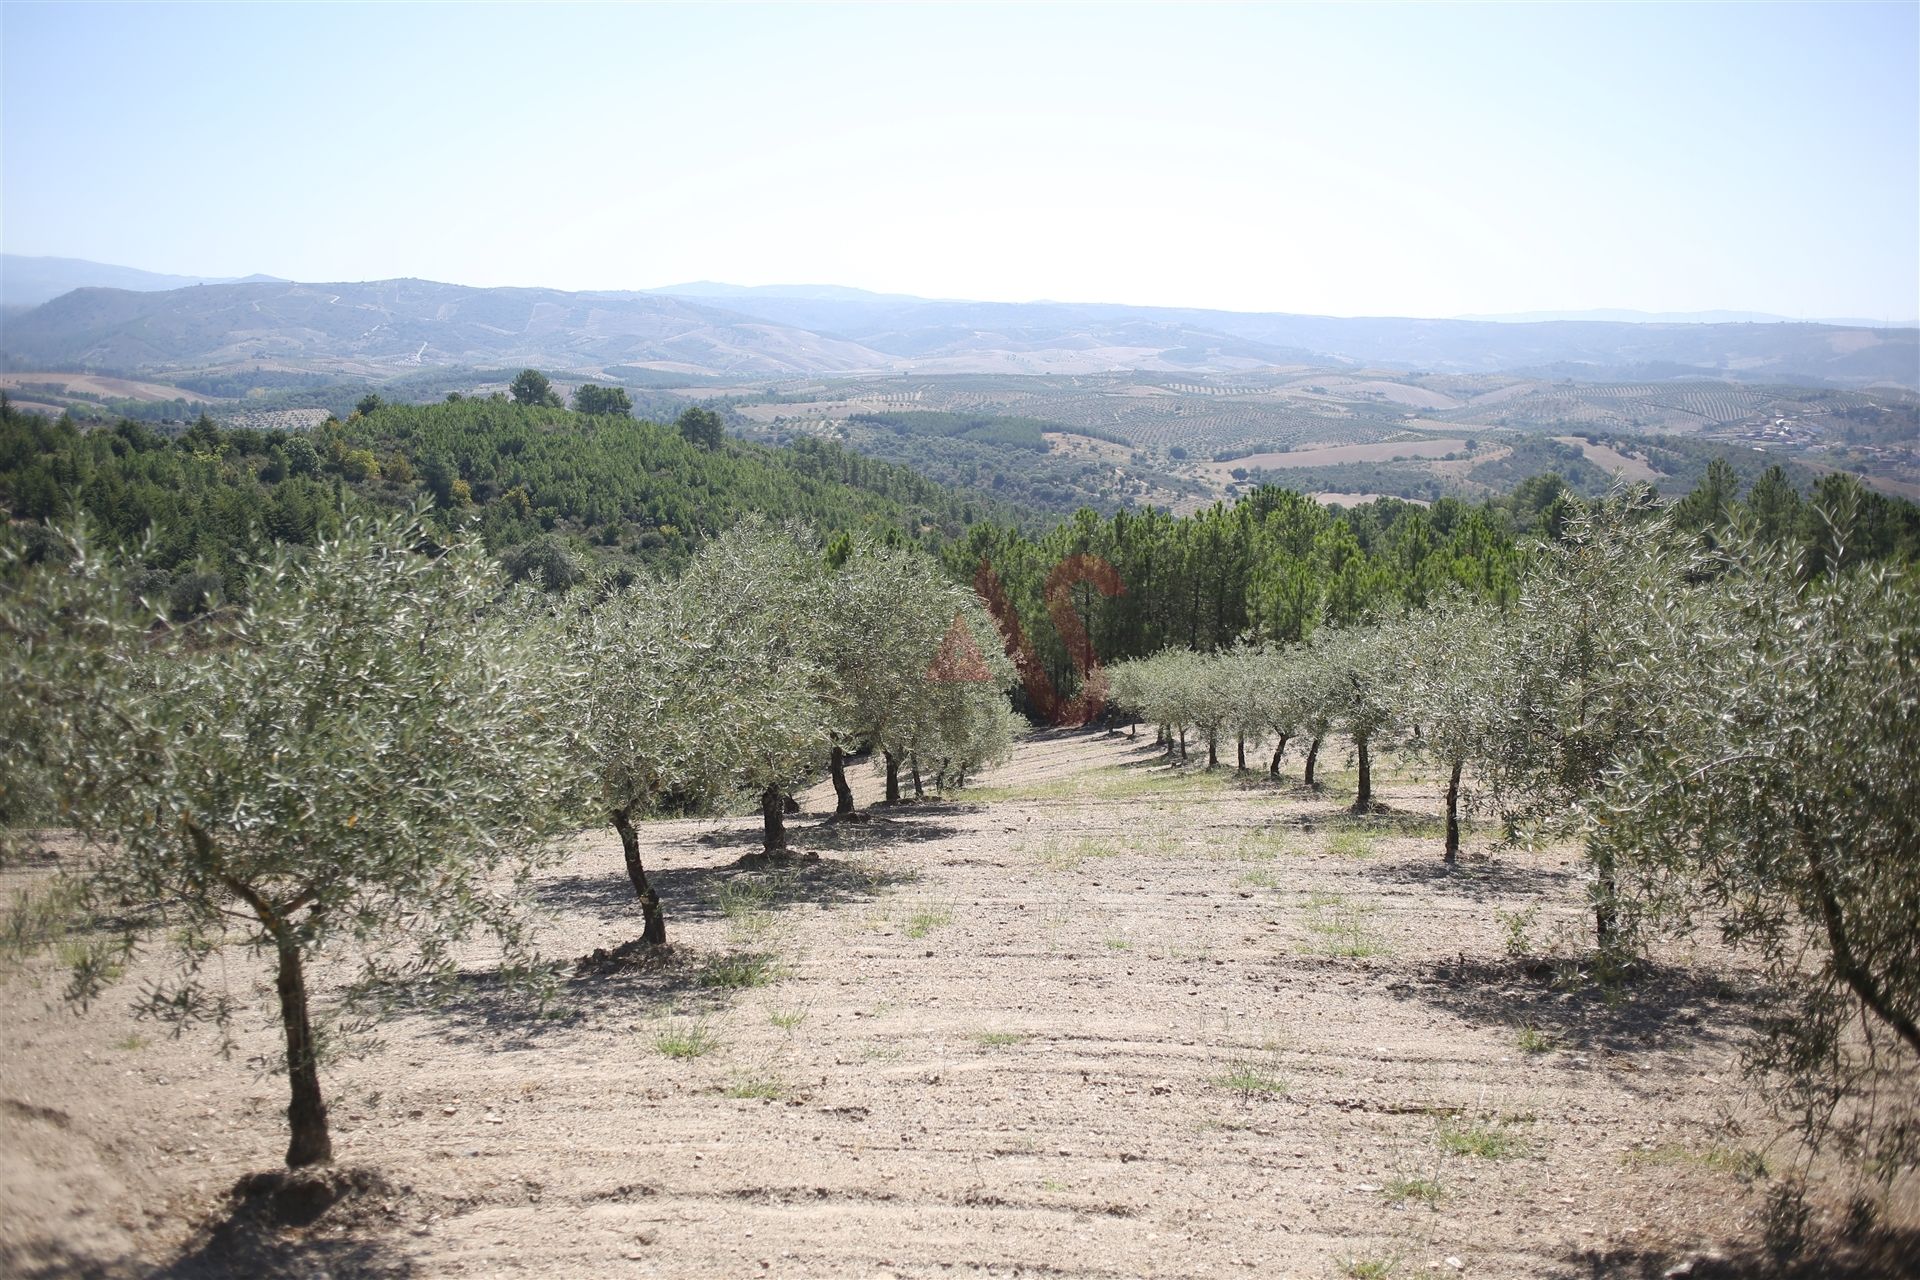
(1112, 1022)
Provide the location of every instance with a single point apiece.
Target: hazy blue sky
(1350, 160)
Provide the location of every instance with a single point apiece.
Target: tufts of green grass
(1736, 1162)
(1425, 1190)
(1350, 844)
(1369, 1268)
(787, 1020)
(1534, 1040)
(1251, 1078)
(693, 1038)
(1488, 1140)
(756, 1086)
(1118, 942)
(1000, 1039)
(1067, 855)
(1343, 928)
(742, 970)
(925, 918)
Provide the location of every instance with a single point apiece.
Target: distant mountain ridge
(28, 281)
(380, 328)
(1623, 316)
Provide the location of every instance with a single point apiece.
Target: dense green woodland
(556, 495)
(553, 492)
(1276, 566)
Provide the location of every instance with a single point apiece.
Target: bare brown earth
(1103, 1019)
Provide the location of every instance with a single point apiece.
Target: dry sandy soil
(1103, 1019)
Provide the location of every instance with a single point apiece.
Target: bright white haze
(1350, 160)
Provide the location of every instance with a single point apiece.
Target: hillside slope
(400, 324)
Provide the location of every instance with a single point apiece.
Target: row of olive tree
(374, 753)
(762, 665)
(1730, 730)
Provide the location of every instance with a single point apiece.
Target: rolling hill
(393, 326)
(384, 328)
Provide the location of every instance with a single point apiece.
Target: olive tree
(888, 614)
(1595, 648)
(357, 760)
(1279, 698)
(960, 719)
(1358, 669)
(651, 691)
(1450, 653)
(1779, 792)
(761, 591)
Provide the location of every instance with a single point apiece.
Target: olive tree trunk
(307, 1111)
(1240, 745)
(893, 777)
(1273, 766)
(919, 791)
(843, 794)
(1313, 754)
(1363, 797)
(773, 816)
(656, 920)
(1213, 751)
(1453, 813)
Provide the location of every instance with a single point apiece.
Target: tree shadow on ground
(1478, 877)
(882, 825)
(482, 1007)
(337, 1222)
(1647, 1006)
(1879, 1255)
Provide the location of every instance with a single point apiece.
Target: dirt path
(1111, 1022)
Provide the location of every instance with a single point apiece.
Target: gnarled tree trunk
(842, 793)
(919, 791)
(893, 777)
(1313, 754)
(773, 817)
(1273, 766)
(656, 920)
(1240, 744)
(307, 1111)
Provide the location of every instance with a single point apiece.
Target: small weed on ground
(1488, 1140)
(925, 919)
(1343, 928)
(787, 1020)
(1427, 1191)
(1000, 1039)
(1534, 1040)
(693, 1038)
(1350, 844)
(1747, 1166)
(741, 970)
(757, 1086)
(1254, 1078)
